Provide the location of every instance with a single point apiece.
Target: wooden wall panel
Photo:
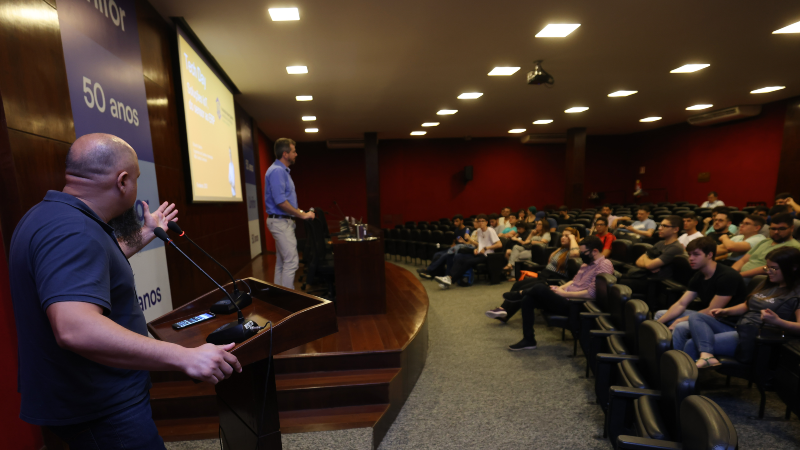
(40, 164)
(788, 181)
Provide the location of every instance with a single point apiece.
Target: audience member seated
(780, 199)
(530, 216)
(690, 222)
(708, 222)
(763, 212)
(493, 218)
(657, 261)
(754, 262)
(605, 211)
(521, 251)
(601, 232)
(510, 230)
(554, 299)
(785, 208)
(774, 302)
(556, 269)
(721, 226)
(563, 216)
(789, 201)
(712, 201)
(488, 242)
(712, 286)
(521, 234)
(733, 248)
(521, 215)
(541, 215)
(445, 257)
(644, 226)
(502, 220)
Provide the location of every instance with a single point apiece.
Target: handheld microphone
(238, 331)
(224, 306)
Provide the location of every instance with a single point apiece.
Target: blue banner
(251, 191)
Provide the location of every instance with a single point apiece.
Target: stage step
(319, 390)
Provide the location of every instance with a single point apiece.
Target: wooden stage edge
(358, 377)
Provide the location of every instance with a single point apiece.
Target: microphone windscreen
(174, 227)
(161, 234)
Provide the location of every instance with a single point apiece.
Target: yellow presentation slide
(210, 130)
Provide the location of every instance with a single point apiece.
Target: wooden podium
(247, 401)
(360, 274)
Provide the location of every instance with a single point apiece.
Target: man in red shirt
(601, 231)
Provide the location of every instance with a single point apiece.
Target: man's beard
(127, 228)
(780, 239)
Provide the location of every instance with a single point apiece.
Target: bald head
(98, 155)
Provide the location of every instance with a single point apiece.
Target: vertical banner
(106, 89)
(251, 191)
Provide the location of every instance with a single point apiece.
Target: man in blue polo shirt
(280, 200)
(84, 354)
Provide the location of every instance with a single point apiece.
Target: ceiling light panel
(793, 28)
(304, 98)
(557, 30)
(622, 93)
(309, 118)
(284, 14)
(689, 68)
(418, 133)
(430, 124)
(577, 109)
(312, 130)
(446, 112)
(542, 121)
(503, 71)
(517, 130)
(764, 90)
(699, 107)
(296, 69)
(649, 119)
(470, 95)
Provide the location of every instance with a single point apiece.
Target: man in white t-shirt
(488, 242)
(690, 222)
(712, 201)
(733, 248)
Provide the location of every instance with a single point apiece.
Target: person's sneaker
(512, 295)
(496, 313)
(445, 280)
(523, 345)
(424, 274)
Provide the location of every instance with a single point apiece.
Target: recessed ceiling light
(445, 112)
(764, 90)
(312, 130)
(689, 68)
(698, 107)
(304, 98)
(430, 124)
(418, 133)
(503, 71)
(542, 121)
(296, 69)
(309, 118)
(283, 14)
(622, 93)
(517, 130)
(793, 28)
(470, 95)
(649, 119)
(557, 30)
(577, 109)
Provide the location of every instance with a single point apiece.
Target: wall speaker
(468, 173)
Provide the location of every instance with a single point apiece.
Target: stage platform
(358, 377)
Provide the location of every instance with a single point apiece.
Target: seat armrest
(630, 392)
(578, 301)
(612, 358)
(591, 315)
(604, 333)
(639, 443)
(773, 341)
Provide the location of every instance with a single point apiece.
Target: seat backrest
(678, 379)
(586, 222)
(422, 222)
(425, 235)
(422, 226)
(436, 236)
(433, 226)
(705, 425)
(405, 234)
(415, 235)
(447, 238)
(635, 313)
(682, 271)
(444, 221)
(602, 282)
(654, 340)
(555, 241)
(580, 228)
(563, 227)
(573, 266)
(399, 226)
(539, 254)
(737, 217)
(618, 295)
(620, 250)
(639, 249)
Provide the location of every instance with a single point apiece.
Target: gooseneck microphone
(238, 331)
(224, 306)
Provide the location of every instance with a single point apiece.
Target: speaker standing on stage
(84, 353)
(281, 203)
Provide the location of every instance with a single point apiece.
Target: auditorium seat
(621, 253)
(593, 325)
(737, 217)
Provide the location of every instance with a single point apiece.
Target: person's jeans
(542, 297)
(462, 263)
(681, 332)
(130, 429)
(286, 259)
(518, 253)
(440, 258)
(709, 335)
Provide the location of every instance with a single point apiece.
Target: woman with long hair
(774, 302)
(530, 215)
(521, 251)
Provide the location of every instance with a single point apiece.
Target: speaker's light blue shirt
(278, 187)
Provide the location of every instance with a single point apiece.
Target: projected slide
(210, 129)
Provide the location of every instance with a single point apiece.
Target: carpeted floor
(475, 394)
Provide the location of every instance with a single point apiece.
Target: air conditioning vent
(345, 143)
(725, 115)
(544, 139)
